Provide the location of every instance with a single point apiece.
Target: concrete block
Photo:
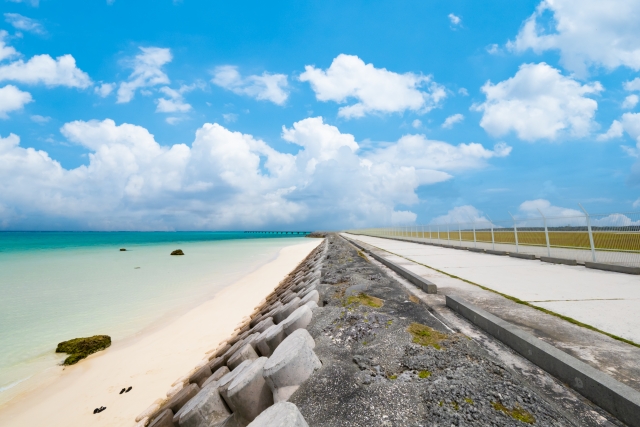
(554, 260)
(314, 295)
(291, 364)
(181, 397)
(267, 342)
(282, 414)
(245, 353)
(150, 411)
(264, 324)
(288, 297)
(163, 419)
(220, 351)
(492, 252)
(205, 409)
(216, 364)
(476, 250)
(312, 305)
(248, 394)
(200, 376)
(300, 318)
(523, 256)
(613, 267)
(620, 400)
(224, 382)
(216, 376)
(303, 292)
(284, 311)
(420, 282)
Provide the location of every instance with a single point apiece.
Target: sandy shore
(151, 363)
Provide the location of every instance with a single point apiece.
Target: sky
(288, 115)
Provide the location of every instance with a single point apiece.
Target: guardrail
(603, 238)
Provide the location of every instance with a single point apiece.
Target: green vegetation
(424, 335)
(424, 374)
(468, 400)
(361, 254)
(517, 412)
(393, 377)
(79, 348)
(365, 299)
(177, 252)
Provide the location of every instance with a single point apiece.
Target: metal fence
(605, 238)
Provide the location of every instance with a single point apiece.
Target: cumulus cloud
(586, 33)
(12, 99)
(104, 89)
(23, 23)
(174, 103)
(630, 102)
(455, 20)
(461, 215)
(5, 51)
(531, 207)
(224, 179)
(376, 90)
(265, 87)
(417, 124)
(633, 85)
(40, 119)
(43, 69)
(615, 131)
(452, 120)
(147, 72)
(34, 3)
(538, 102)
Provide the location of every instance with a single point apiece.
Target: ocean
(55, 286)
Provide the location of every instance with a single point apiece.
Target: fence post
(593, 248)
(448, 235)
(460, 234)
(515, 231)
(546, 233)
(493, 240)
(475, 242)
(438, 233)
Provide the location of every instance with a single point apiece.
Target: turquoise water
(56, 286)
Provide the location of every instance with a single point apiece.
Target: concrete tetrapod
(312, 305)
(248, 394)
(205, 409)
(221, 372)
(267, 341)
(200, 376)
(245, 353)
(286, 310)
(288, 297)
(263, 325)
(180, 398)
(311, 296)
(282, 414)
(224, 382)
(164, 419)
(291, 364)
(297, 320)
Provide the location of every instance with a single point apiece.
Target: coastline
(151, 362)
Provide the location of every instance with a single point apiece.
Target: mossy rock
(123, 250)
(177, 252)
(425, 336)
(79, 348)
(365, 299)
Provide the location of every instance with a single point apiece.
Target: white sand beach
(149, 363)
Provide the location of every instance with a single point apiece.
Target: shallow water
(58, 286)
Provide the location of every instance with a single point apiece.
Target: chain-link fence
(604, 238)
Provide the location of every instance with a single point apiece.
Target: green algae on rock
(79, 348)
(424, 335)
(177, 252)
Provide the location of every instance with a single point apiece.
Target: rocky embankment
(341, 343)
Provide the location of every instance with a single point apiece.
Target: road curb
(613, 267)
(620, 400)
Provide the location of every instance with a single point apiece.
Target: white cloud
(147, 72)
(173, 120)
(462, 91)
(230, 117)
(493, 49)
(630, 102)
(266, 87)
(633, 85)
(455, 20)
(23, 23)
(615, 131)
(175, 102)
(377, 90)
(61, 71)
(5, 51)
(460, 215)
(538, 102)
(40, 119)
(33, 3)
(588, 32)
(12, 99)
(403, 217)
(417, 124)
(531, 207)
(452, 120)
(636, 204)
(222, 180)
(105, 89)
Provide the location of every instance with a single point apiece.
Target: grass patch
(424, 335)
(468, 400)
(393, 377)
(361, 254)
(517, 412)
(365, 299)
(519, 301)
(79, 348)
(414, 298)
(424, 374)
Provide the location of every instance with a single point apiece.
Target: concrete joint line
(620, 400)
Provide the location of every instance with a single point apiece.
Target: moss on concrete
(79, 348)
(425, 336)
(517, 412)
(424, 374)
(365, 299)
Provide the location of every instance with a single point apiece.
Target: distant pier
(303, 233)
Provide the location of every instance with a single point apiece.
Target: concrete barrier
(313, 295)
(554, 260)
(523, 256)
(476, 250)
(291, 364)
(297, 320)
(269, 340)
(217, 375)
(248, 394)
(205, 409)
(225, 382)
(612, 267)
(163, 419)
(245, 353)
(200, 376)
(492, 252)
(620, 400)
(282, 414)
(284, 311)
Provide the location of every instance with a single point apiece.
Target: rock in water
(79, 348)
(177, 252)
(123, 250)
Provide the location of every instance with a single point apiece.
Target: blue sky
(284, 115)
